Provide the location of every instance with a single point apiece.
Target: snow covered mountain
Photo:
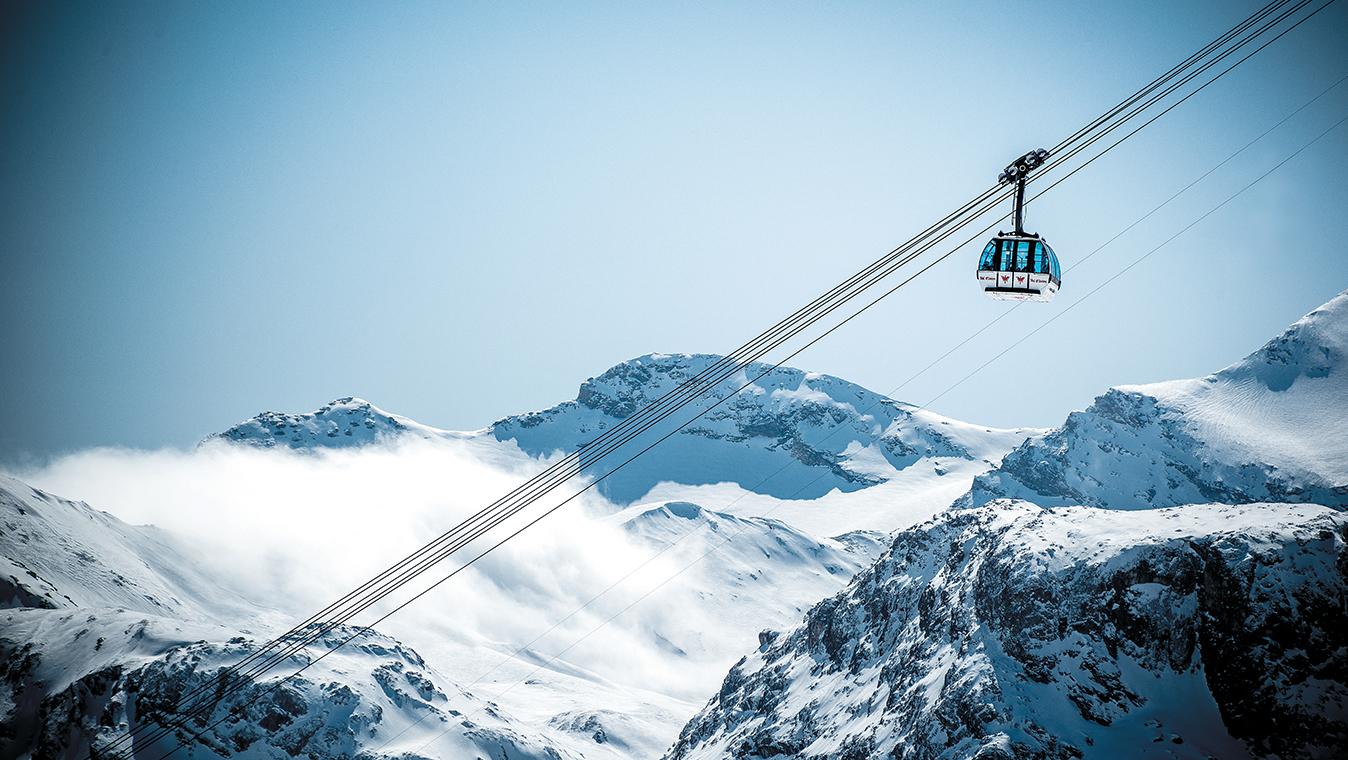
(73, 681)
(1268, 428)
(1006, 627)
(348, 421)
(818, 452)
(1012, 630)
(791, 434)
(57, 554)
(106, 619)
(110, 618)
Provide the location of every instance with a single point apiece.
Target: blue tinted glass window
(985, 262)
(1023, 256)
(1052, 263)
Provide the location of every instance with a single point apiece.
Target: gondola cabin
(1019, 268)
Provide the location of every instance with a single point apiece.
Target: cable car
(1020, 266)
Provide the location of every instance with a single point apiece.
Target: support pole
(1020, 205)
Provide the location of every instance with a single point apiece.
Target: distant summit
(790, 434)
(345, 422)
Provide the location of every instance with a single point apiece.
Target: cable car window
(985, 263)
(1023, 256)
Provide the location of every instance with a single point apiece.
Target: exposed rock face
(358, 702)
(813, 432)
(1012, 630)
(1268, 428)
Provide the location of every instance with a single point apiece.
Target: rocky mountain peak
(1011, 630)
(790, 434)
(343, 422)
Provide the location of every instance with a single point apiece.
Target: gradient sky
(460, 211)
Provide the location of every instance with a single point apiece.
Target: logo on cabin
(1006, 278)
(1020, 278)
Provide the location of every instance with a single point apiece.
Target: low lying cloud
(295, 530)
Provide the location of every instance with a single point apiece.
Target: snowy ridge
(1268, 428)
(76, 680)
(348, 421)
(1012, 630)
(791, 435)
(57, 553)
(753, 572)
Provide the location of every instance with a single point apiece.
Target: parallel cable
(726, 539)
(301, 644)
(675, 399)
(586, 464)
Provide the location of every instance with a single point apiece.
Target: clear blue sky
(460, 211)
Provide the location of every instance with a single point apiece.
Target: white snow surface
(1279, 406)
(1270, 427)
(57, 553)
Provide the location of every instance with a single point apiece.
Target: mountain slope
(107, 620)
(791, 434)
(680, 622)
(76, 680)
(745, 572)
(57, 553)
(1012, 630)
(1268, 428)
